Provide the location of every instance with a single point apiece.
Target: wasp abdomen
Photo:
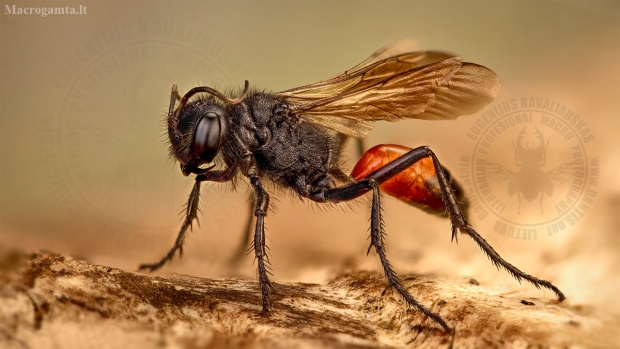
(416, 185)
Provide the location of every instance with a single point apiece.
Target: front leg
(262, 204)
(191, 211)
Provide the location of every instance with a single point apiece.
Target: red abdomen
(416, 185)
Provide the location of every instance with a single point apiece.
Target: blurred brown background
(84, 169)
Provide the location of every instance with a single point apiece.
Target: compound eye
(207, 137)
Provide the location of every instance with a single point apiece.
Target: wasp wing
(398, 49)
(391, 50)
(421, 85)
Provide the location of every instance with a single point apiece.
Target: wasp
(293, 140)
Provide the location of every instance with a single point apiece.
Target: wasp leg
(457, 218)
(376, 237)
(359, 145)
(191, 212)
(262, 204)
(242, 248)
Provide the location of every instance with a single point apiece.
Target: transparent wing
(421, 85)
(391, 50)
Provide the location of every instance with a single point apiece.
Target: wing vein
(419, 85)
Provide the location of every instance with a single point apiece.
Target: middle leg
(242, 248)
(376, 237)
(260, 249)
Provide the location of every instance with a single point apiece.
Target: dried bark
(52, 301)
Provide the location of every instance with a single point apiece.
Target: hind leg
(457, 218)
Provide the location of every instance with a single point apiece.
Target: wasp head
(196, 129)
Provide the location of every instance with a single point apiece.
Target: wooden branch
(52, 301)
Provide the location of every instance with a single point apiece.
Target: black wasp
(293, 139)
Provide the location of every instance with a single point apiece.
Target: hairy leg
(260, 249)
(242, 248)
(359, 146)
(376, 237)
(191, 213)
(457, 218)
